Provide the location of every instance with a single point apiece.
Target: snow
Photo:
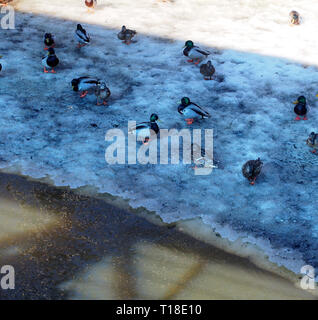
(262, 65)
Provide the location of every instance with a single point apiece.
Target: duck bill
(295, 102)
(317, 95)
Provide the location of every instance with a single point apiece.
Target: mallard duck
(312, 141)
(126, 35)
(84, 84)
(251, 169)
(102, 92)
(145, 130)
(90, 4)
(207, 70)
(48, 41)
(294, 17)
(300, 108)
(50, 61)
(82, 36)
(194, 52)
(191, 111)
(4, 3)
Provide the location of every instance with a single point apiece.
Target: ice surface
(262, 65)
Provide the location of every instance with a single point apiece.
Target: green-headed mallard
(207, 70)
(84, 84)
(191, 111)
(102, 92)
(251, 169)
(145, 130)
(50, 61)
(48, 41)
(194, 52)
(126, 35)
(81, 36)
(294, 17)
(300, 108)
(312, 141)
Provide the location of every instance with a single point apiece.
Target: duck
(145, 130)
(294, 17)
(312, 141)
(251, 169)
(126, 35)
(82, 36)
(194, 52)
(102, 92)
(4, 3)
(191, 111)
(300, 108)
(90, 4)
(48, 41)
(50, 61)
(84, 84)
(207, 70)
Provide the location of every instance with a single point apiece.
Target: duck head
(300, 99)
(185, 101)
(189, 44)
(154, 118)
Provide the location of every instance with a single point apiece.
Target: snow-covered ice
(262, 65)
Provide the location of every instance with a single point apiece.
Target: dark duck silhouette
(82, 36)
(126, 35)
(312, 141)
(48, 41)
(145, 130)
(251, 169)
(207, 70)
(191, 111)
(194, 52)
(301, 108)
(294, 17)
(50, 61)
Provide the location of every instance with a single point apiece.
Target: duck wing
(204, 52)
(197, 109)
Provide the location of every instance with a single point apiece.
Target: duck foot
(198, 61)
(313, 151)
(305, 118)
(46, 48)
(297, 118)
(205, 78)
(53, 71)
(191, 60)
(45, 71)
(105, 103)
(189, 121)
(81, 45)
(84, 93)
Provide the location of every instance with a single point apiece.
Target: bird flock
(188, 109)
